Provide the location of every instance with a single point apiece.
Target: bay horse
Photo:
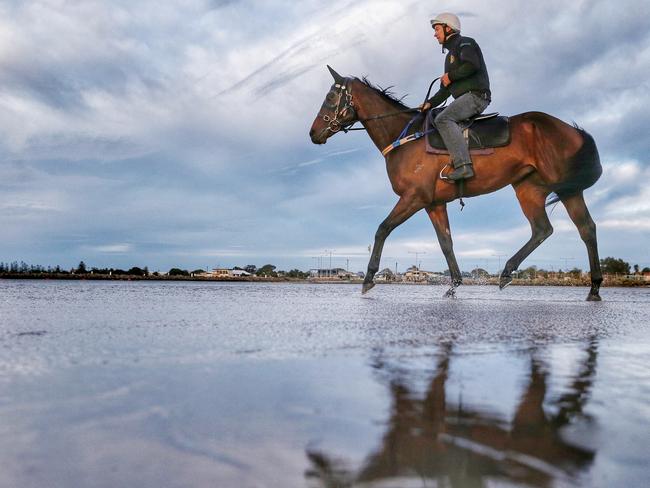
(545, 156)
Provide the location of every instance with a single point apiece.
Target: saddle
(483, 132)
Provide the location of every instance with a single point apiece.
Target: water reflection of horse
(429, 437)
(545, 155)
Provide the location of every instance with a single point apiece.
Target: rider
(466, 79)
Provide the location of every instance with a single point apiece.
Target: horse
(545, 156)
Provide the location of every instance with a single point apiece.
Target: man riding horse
(466, 79)
(541, 155)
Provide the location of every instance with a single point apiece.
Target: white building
(227, 273)
(333, 273)
(239, 273)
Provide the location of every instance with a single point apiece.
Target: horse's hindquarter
(549, 143)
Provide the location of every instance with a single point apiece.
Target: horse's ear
(337, 77)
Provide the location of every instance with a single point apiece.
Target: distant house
(220, 273)
(228, 273)
(385, 274)
(239, 273)
(415, 274)
(635, 277)
(331, 273)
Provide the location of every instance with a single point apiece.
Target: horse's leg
(440, 221)
(405, 208)
(532, 199)
(577, 210)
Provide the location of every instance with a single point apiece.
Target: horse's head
(337, 111)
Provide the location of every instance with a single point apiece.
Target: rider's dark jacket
(466, 68)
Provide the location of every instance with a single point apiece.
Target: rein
(377, 117)
(334, 124)
(403, 138)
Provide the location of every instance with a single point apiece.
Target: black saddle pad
(486, 133)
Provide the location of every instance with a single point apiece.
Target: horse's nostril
(311, 133)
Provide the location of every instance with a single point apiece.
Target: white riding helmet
(447, 19)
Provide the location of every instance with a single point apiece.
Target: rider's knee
(440, 119)
(443, 119)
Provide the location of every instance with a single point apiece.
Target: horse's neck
(382, 131)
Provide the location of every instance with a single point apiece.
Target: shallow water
(149, 384)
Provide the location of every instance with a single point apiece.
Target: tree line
(22, 268)
(609, 265)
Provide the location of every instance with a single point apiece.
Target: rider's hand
(445, 79)
(424, 107)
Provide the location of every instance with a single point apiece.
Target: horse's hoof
(451, 293)
(504, 281)
(367, 287)
(594, 298)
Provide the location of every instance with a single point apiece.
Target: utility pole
(566, 264)
(499, 256)
(329, 271)
(417, 253)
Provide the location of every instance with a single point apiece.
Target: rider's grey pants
(462, 108)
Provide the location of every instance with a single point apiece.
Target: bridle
(342, 108)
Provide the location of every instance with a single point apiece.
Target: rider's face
(439, 33)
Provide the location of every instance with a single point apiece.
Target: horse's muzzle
(317, 137)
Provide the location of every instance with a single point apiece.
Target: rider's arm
(469, 63)
(440, 96)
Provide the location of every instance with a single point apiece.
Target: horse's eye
(330, 96)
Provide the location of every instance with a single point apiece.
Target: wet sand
(280, 385)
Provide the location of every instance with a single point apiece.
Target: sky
(175, 134)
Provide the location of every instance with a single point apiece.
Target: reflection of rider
(466, 79)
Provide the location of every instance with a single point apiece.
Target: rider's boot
(461, 171)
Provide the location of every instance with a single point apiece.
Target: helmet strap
(448, 31)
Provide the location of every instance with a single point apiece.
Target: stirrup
(444, 177)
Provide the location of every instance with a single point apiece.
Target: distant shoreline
(609, 281)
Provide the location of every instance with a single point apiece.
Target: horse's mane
(385, 93)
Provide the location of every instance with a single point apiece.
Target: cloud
(112, 248)
(642, 224)
(181, 128)
(25, 208)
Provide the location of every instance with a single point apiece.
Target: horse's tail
(584, 169)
